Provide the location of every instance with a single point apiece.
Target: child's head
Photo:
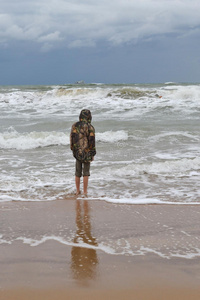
(85, 115)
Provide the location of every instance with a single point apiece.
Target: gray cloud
(74, 23)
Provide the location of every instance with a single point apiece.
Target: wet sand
(97, 250)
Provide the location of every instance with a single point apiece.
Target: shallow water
(147, 139)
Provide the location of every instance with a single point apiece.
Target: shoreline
(122, 250)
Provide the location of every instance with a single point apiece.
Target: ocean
(147, 141)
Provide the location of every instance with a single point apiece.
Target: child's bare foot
(78, 193)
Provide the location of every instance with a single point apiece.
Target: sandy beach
(73, 248)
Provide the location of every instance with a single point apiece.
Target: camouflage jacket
(82, 139)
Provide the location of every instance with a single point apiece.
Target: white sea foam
(139, 200)
(177, 134)
(112, 136)
(3, 241)
(115, 102)
(35, 243)
(7, 198)
(165, 167)
(15, 140)
(191, 254)
(32, 140)
(111, 247)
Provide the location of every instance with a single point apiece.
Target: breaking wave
(32, 140)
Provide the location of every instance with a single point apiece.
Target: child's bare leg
(85, 184)
(77, 181)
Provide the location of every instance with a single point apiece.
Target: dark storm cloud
(59, 23)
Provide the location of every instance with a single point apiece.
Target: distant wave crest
(32, 140)
(15, 140)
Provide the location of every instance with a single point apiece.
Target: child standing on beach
(82, 143)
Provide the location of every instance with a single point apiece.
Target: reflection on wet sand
(83, 260)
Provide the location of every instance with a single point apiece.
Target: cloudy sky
(116, 41)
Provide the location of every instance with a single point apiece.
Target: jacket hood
(85, 115)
